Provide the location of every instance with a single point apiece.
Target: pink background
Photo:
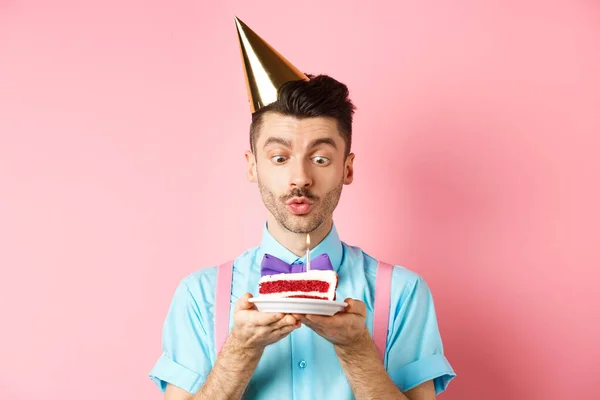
(122, 131)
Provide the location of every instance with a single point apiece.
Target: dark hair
(321, 96)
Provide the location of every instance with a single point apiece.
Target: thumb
(243, 303)
(356, 307)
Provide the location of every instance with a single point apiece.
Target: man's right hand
(254, 330)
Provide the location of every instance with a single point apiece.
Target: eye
(278, 159)
(321, 160)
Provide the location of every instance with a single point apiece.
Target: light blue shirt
(303, 365)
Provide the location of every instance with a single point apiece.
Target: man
(300, 139)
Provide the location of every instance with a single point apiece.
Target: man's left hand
(342, 329)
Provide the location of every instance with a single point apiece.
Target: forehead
(291, 127)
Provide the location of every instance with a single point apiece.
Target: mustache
(299, 192)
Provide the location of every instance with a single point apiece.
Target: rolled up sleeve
(187, 349)
(168, 371)
(434, 367)
(415, 353)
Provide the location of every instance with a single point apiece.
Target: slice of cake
(314, 284)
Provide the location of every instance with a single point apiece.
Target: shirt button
(302, 364)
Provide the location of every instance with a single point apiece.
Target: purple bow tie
(272, 265)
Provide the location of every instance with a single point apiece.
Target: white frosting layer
(289, 294)
(314, 275)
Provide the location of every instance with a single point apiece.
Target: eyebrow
(318, 142)
(288, 143)
(277, 140)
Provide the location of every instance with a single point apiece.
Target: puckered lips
(299, 205)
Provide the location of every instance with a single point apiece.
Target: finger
(264, 318)
(284, 331)
(318, 319)
(304, 318)
(356, 307)
(315, 327)
(307, 322)
(243, 304)
(285, 321)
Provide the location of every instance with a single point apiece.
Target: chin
(301, 224)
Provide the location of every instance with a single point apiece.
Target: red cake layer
(293, 286)
(299, 296)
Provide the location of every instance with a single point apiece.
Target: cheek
(275, 181)
(331, 177)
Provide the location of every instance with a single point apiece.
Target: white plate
(298, 305)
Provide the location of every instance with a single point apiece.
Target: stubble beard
(321, 210)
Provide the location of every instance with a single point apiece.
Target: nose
(300, 175)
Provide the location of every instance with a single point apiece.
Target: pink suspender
(380, 317)
(222, 300)
(381, 310)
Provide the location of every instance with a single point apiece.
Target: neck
(296, 242)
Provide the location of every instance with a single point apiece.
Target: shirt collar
(331, 245)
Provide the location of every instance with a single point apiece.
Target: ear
(250, 166)
(349, 169)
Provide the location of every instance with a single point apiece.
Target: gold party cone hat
(266, 70)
